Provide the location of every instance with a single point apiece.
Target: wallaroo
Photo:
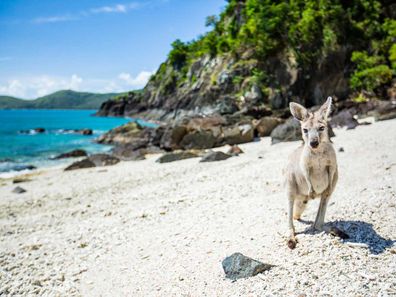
(312, 168)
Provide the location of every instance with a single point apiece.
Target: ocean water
(18, 150)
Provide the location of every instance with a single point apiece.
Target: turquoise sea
(21, 146)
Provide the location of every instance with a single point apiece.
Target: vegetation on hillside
(308, 29)
(66, 99)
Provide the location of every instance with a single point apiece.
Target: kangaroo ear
(298, 111)
(325, 109)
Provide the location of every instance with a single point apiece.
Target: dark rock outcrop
(103, 160)
(177, 156)
(291, 131)
(128, 152)
(96, 160)
(85, 131)
(265, 125)
(19, 190)
(239, 266)
(39, 130)
(214, 156)
(72, 154)
(85, 163)
(344, 119)
(19, 180)
(198, 140)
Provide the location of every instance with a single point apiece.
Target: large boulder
(239, 266)
(171, 157)
(128, 133)
(129, 152)
(94, 161)
(344, 119)
(72, 154)
(265, 125)
(238, 134)
(103, 159)
(198, 140)
(86, 163)
(289, 131)
(172, 136)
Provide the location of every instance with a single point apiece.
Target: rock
(39, 130)
(291, 131)
(341, 150)
(19, 190)
(20, 180)
(344, 119)
(128, 152)
(265, 125)
(198, 140)
(172, 137)
(23, 167)
(238, 134)
(235, 150)
(85, 131)
(129, 133)
(103, 160)
(239, 266)
(171, 157)
(85, 163)
(226, 106)
(255, 94)
(72, 154)
(384, 117)
(214, 156)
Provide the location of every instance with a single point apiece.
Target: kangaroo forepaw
(311, 194)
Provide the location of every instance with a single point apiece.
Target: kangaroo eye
(321, 128)
(305, 131)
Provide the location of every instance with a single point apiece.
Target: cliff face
(261, 55)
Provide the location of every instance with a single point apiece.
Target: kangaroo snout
(314, 143)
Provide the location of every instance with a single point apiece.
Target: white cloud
(138, 81)
(117, 8)
(33, 87)
(54, 19)
(107, 9)
(12, 88)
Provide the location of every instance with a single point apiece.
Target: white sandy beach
(148, 229)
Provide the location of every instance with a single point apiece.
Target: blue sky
(86, 45)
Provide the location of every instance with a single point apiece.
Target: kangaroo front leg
(292, 238)
(307, 176)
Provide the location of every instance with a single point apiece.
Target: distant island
(66, 99)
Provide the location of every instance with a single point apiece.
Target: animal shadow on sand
(357, 232)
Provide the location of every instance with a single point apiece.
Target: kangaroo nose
(314, 143)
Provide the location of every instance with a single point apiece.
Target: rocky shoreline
(132, 141)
